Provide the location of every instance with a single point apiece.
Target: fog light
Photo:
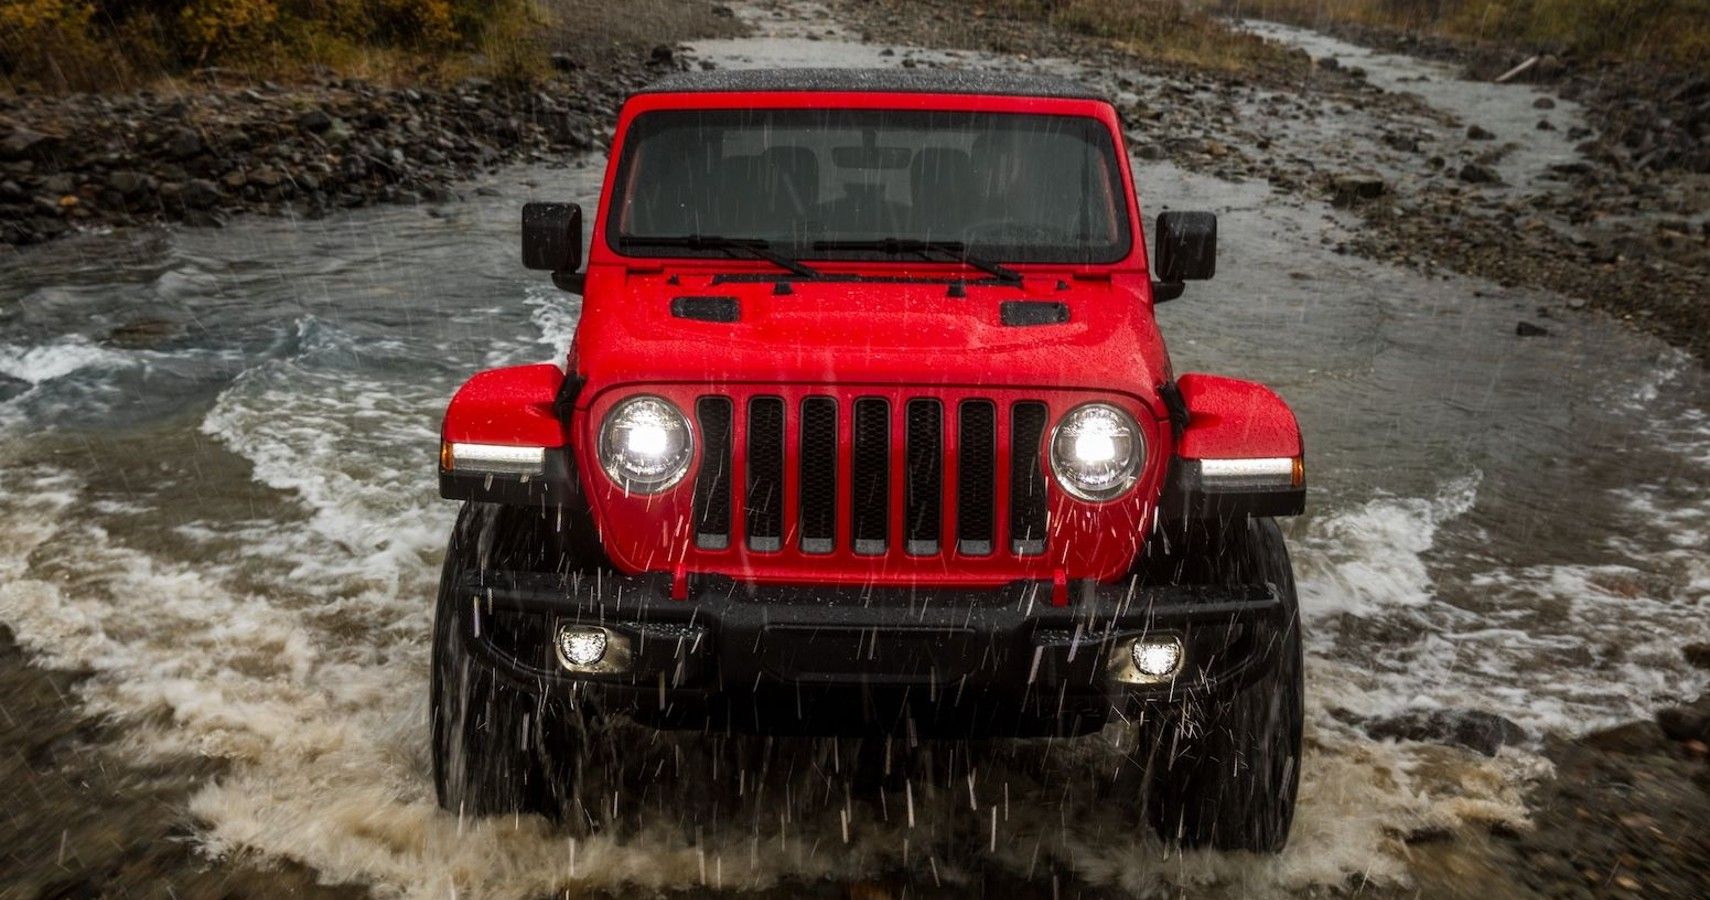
(1154, 659)
(1158, 658)
(581, 646)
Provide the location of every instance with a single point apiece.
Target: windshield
(810, 182)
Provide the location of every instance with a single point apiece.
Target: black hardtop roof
(916, 81)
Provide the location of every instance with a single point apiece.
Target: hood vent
(1021, 313)
(707, 309)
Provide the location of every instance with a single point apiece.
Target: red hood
(869, 332)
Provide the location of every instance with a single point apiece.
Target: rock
(1686, 723)
(265, 177)
(1697, 654)
(128, 183)
(1544, 125)
(1328, 64)
(1527, 329)
(1475, 133)
(662, 55)
(200, 194)
(183, 143)
(23, 143)
(1473, 173)
(314, 121)
(564, 62)
(1631, 738)
(1543, 103)
(1406, 143)
(1352, 190)
(1476, 730)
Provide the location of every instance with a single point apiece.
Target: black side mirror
(1187, 250)
(552, 237)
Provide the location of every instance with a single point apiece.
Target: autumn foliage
(74, 44)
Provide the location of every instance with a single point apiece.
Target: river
(217, 495)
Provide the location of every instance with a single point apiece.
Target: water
(216, 493)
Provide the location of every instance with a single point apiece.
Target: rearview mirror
(1187, 247)
(552, 236)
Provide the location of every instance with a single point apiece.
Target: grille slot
(712, 484)
(1027, 501)
(976, 477)
(765, 503)
(870, 475)
(924, 491)
(818, 476)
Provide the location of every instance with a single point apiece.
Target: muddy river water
(216, 493)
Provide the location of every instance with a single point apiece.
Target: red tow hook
(680, 582)
(1059, 588)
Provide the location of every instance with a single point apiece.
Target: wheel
(497, 748)
(1224, 771)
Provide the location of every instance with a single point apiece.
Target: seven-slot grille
(823, 473)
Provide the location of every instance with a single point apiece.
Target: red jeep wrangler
(868, 428)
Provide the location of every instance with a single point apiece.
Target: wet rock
(662, 55)
(1475, 133)
(1543, 103)
(183, 143)
(1352, 190)
(200, 194)
(1630, 738)
(1545, 125)
(1697, 654)
(1328, 64)
(1474, 729)
(314, 121)
(1406, 143)
(128, 183)
(564, 62)
(1473, 173)
(1527, 329)
(23, 143)
(1686, 723)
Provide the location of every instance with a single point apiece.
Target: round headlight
(645, 445)
(1096, 452)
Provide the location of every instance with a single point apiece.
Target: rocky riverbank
(200, 150)
(1625, 230)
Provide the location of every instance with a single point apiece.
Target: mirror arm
(574, 282)
(1165, 291)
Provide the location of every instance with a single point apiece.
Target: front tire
(497, 748)
(1225, 771)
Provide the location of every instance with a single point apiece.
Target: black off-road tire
(1224, 771)
(498, 749)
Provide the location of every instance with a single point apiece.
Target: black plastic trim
(707, 309)
(556, 486)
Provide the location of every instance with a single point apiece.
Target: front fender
(513, 407)
(1239, 453)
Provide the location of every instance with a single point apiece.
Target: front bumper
(1003, 656)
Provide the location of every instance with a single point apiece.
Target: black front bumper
(746, 656)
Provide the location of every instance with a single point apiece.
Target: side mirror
(1187, 248)
(552, 236)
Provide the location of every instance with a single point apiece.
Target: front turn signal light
(491, 459)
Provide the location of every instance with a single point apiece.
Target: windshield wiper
(952, 250)
(759, 248)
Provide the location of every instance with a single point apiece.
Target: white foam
(49, 362)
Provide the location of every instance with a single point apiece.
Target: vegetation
(1672, 32)
(1165, 30)
(94, 44)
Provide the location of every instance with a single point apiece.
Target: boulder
(1474, 729)
(1473, 173)
(24, 143)
(1352, 190)
(200, 193)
